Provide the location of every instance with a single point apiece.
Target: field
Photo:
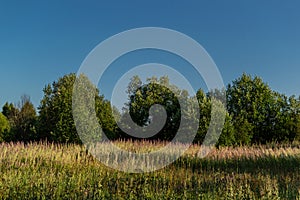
(52, 171)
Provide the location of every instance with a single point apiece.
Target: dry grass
(50, 171)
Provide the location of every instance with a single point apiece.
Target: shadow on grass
(269, 164)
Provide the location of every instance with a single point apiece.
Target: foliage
(9, 110)
(108, 115)
(261, 115)
(227, 137)
(56, 121)
(287, 126)
(4, 126)
(255, 113)
(143, 96)
(205, 105)
(22, 121)
(55, 111)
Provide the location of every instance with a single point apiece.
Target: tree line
(254, 113)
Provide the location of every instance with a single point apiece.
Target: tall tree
(22, 119)
(9, 110)
(251, 103)
(4, 127)
(205, 115)
(26, 127)
(55, 111)
(205, 105)
(56, 121)
(143, 96)
(156, 107)
(287, 125)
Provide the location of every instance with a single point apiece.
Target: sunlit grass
(54, 171)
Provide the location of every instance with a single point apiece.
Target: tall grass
(53, 171)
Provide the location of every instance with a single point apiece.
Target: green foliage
(261, 115)
(287, 127)
(26, 127)
(86, 103)
(160, 92)
(56, 121)
(205, 112)
(107, 120)
(243, 131)
(22, 119)
(255, 113)
(227, 137)
(251, 102)
(55, 111)
(4, 126)
(142, 97)
(9, 110)
(205, 105)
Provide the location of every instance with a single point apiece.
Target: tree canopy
(56, 121)
(254, 113)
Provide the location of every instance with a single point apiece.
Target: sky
(41, 41)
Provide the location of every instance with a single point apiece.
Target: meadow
(60, 171)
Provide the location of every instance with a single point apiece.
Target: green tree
(295, 118)
(154, 111)
(205, 115)
(4, 127)
(287, 126)
(143, 96)
(251, 104)
(205, 105)
(26, 124)
(22, 120)
(9, 110)
(56, 121)
(227, 137)
(107, 120)
(55, 111)
(243, 130)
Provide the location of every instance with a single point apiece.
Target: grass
(53, 171)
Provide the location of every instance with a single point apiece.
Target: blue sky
(40, 41)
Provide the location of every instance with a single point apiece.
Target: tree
(56, 121)
(251, 103)
(9, 110)
(142, 97)
(55, 111)
(243, 130)
(205, 105)
(227, 137)
(107, 120)
(26, 123)
(287, 125)
(205, 115)
(22, 120)
(4, 127)
(154, 111)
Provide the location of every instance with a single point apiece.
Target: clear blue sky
(40, 41)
